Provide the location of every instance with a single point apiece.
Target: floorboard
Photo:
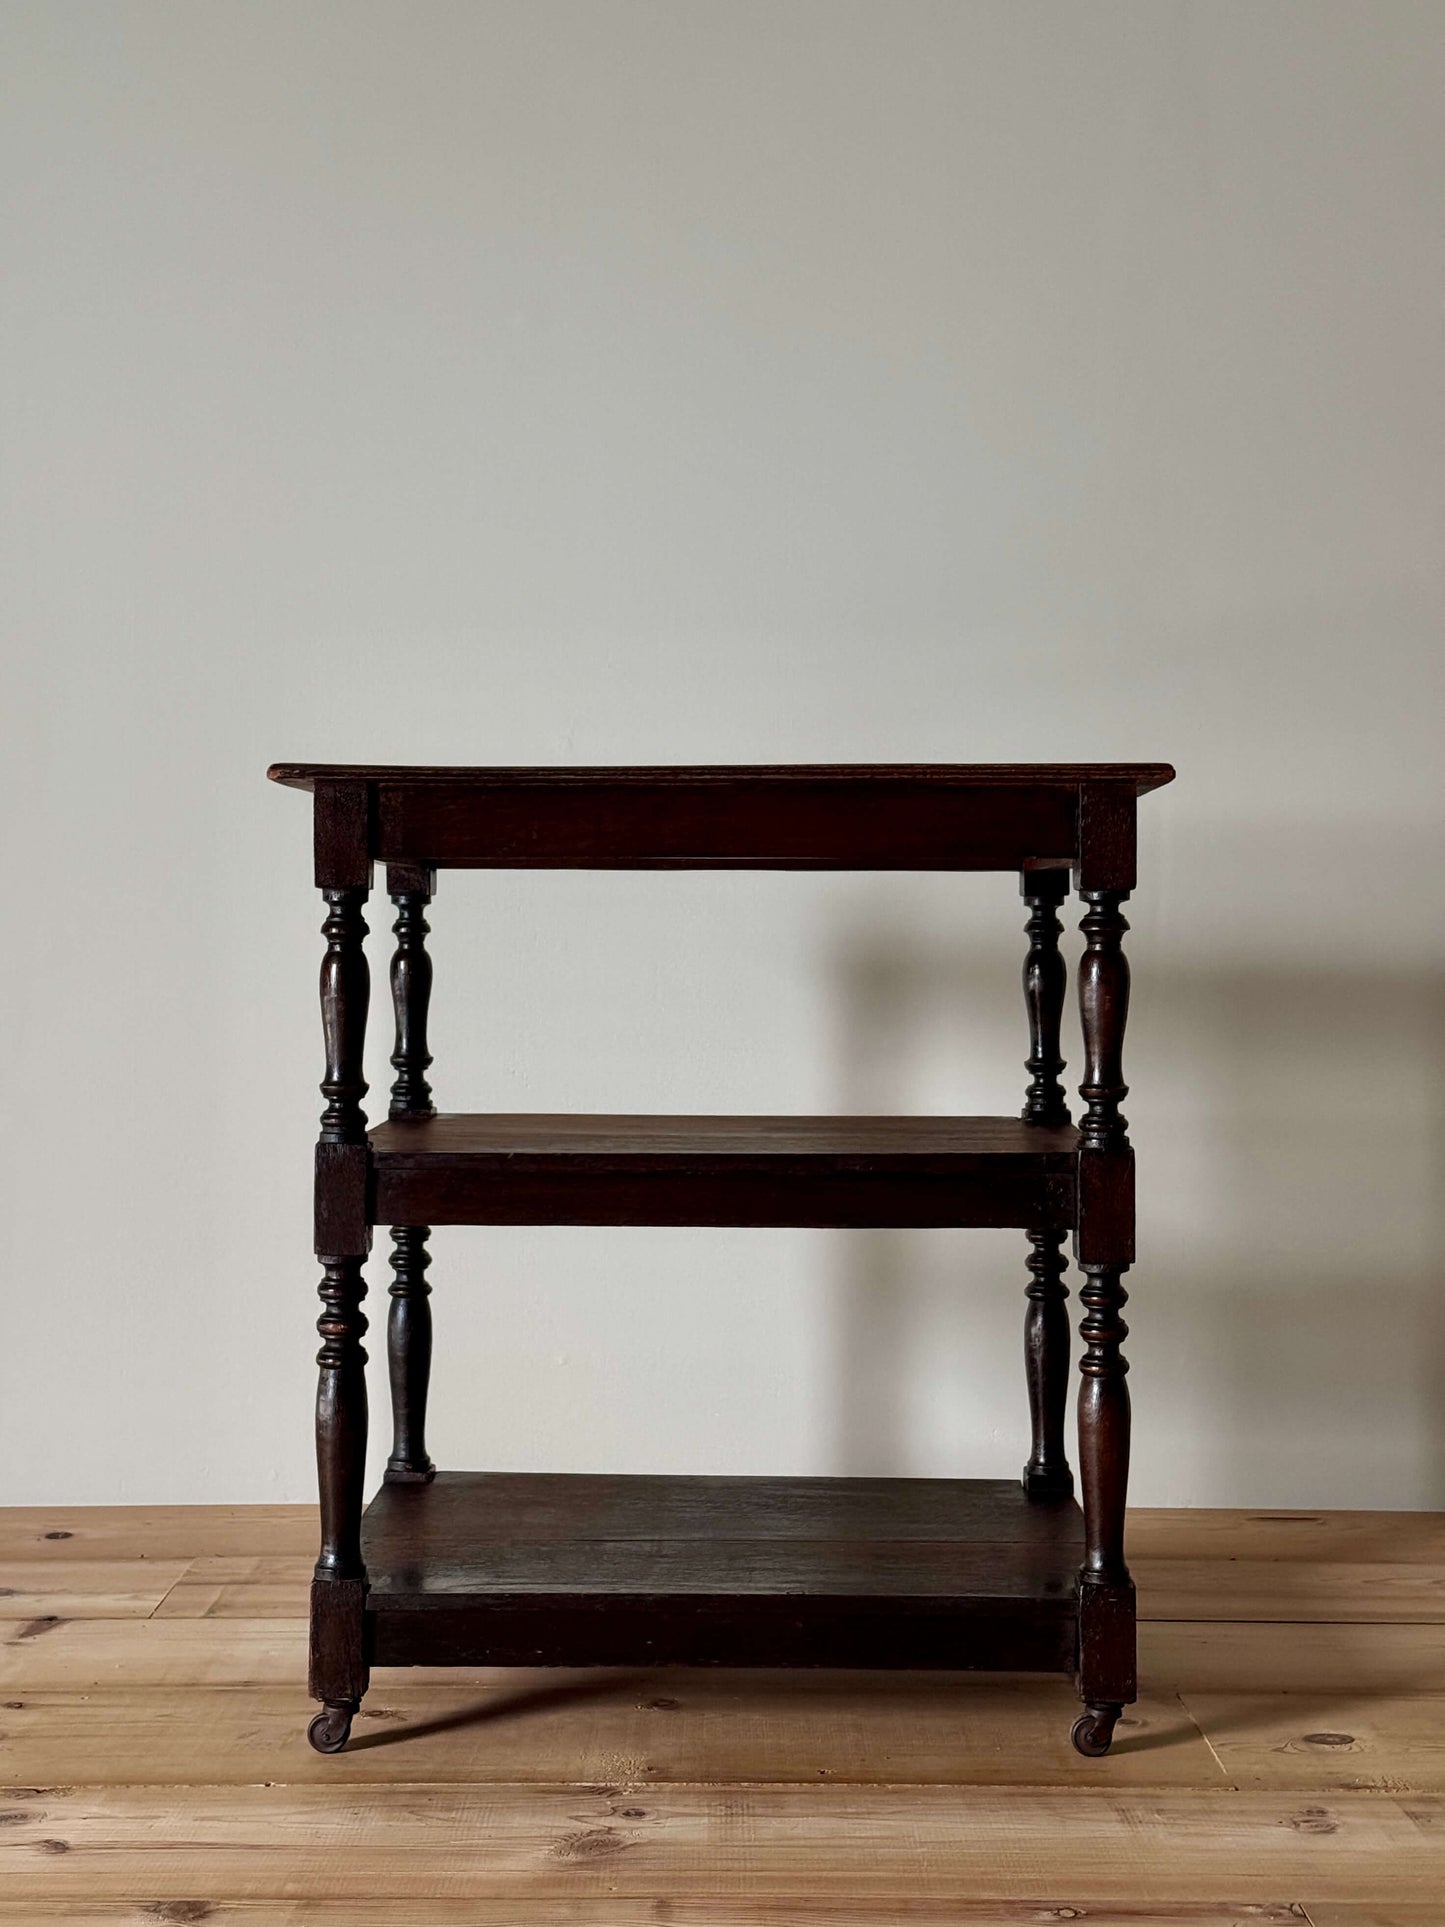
(850, 1844)
(1233, 1656)
(547, 1727)
(604, 1911)
(85, 1589)
(1339, 1740)
(183, 1532)
(1348, 1914)
(1285, 1764)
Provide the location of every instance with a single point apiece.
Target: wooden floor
(1286, 1762)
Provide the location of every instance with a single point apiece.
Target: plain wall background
(750, 381)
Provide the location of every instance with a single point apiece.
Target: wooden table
(467, 1568)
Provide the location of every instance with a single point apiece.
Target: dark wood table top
(1138, 777)
(699, 1139)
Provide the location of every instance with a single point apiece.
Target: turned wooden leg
(1046, 1324)
(1105, 1242)
(1046, 1367)
(338, 1674)
(411, 889)
(1104, 1425)
(1104, 1248)
(1104, 1010)
(408, 1345)
(408, 1330)
(1045, 984)
(1106, 1679)
(345, 995)
(341, 1418)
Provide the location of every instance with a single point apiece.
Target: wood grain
(1356, 1742)
(1348, 1914)
(85, 1589)
(602, 1911)
(476, 1168)
(1175, 1657)
(187, 1532)
(551, 1726)
(1291, 1658)
(1280, 1770)
(1398, 1592)
(144, 1653)
(846, 1844)
(234, 1586)
(87, 1533)
(661, 777)
(1279, 1534)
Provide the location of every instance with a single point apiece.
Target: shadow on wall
(1288, 1304)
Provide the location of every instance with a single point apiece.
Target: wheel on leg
(1094, 1730)
(331, 1728)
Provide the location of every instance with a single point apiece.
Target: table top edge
(1140, 777)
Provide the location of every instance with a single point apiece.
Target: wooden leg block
(338, 1668)
(1107, 1662)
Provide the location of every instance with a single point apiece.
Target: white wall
(610, 382)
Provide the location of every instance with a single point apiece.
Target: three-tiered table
(511, 1569)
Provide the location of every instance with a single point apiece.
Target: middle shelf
(509, 1168)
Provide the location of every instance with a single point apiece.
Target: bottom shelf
(529, 1569)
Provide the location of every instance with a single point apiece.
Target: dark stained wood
(1046, 1368)
(411, 891)
(509, 1169)
(758, 823)
(947, 1145)
(338, 1676)
(337, 1670)
(408, 1350)
(468, 1512)
(1136, 777)
(827, 816)
(1107, 1611)
(560, 1569)
(1046, 980)
(341, 1417)
(1104, 1010)
(409, 1325)
(343, 1226)
(345, 993)
(1104, 1246)
(720, 1568)
(342, 1237)
(519, 1569)
(1105, 1229)
(343, 833)
(969, 1634)
(1107, 837)
(1104, 1423)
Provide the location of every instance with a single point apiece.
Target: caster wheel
(1094, 1731)
(331, 1728)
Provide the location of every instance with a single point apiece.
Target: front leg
(338, 1674)
(1104, 1245)
(1046, 1324)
